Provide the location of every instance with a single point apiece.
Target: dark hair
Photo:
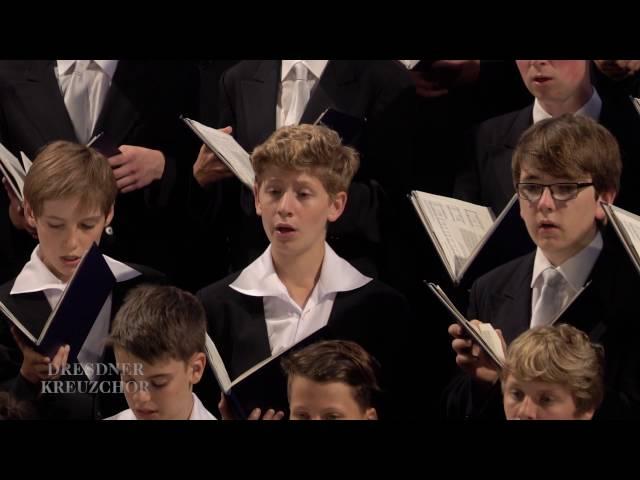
(570, 146)
(336, 361)
(157, 322)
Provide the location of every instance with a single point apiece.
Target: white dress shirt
(287, 323)
(315, 68)
(591, 109)
(575, 271)
(409, 64)
(104, 71)
(36, 277)
(198, 412)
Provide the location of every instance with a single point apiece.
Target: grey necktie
(76, 99)
(299, 95)
(551, 298)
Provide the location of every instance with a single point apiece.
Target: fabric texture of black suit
(53, 405)
(606, 310)
(374, 316)
(486, 179)
(142, 108)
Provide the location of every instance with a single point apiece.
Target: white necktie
(76, 98)
(299, 95)
(551, 298)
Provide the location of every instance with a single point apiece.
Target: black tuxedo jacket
(58, 405)
(606, 310)
(142, 108)
(374, 316)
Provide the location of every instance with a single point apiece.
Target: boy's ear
(29, 215)
(109, 217)
(337, 204)
(256, 189)
(607, 197)
(588, 415)
(196, 367)
(371, 414)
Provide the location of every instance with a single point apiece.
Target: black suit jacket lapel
(40, 93)
(253, 338)
(598, 303)
(119, 113)
(514, 303)
(338, 310)
(332, 87)
(259, 97)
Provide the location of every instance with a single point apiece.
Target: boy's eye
(301, 415)
(130, 386)
(87, 226)
(332, 416)
(546, 400)
(304, 194)
(516, 395)
(55, 225)
(159, 384)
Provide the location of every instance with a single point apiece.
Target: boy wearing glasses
(563, 167)
(558, 87)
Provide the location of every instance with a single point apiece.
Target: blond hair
(312, 149)
(559, 354)
(65, 169)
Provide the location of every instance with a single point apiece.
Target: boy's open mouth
(284, 229)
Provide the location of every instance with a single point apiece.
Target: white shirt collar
(107, 66)
(409, 64)
(315, 66)
(36, 277)
(260, 279)
(592, 108)
(576, 269)
(198, 412)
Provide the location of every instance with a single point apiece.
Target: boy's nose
(140, 393)
(538, 63)
(71, 240)
(546, 201)
(284, 206)
(528, 409)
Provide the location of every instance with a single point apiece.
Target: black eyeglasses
(559, 191)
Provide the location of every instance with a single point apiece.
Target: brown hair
(158, 322)
(64, 169)
(313, 149)
(559, 354)
(336, 361)
(570, 146)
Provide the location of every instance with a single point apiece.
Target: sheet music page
(13, 169)
(228, 150)
(459, 226)
(631, 224)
